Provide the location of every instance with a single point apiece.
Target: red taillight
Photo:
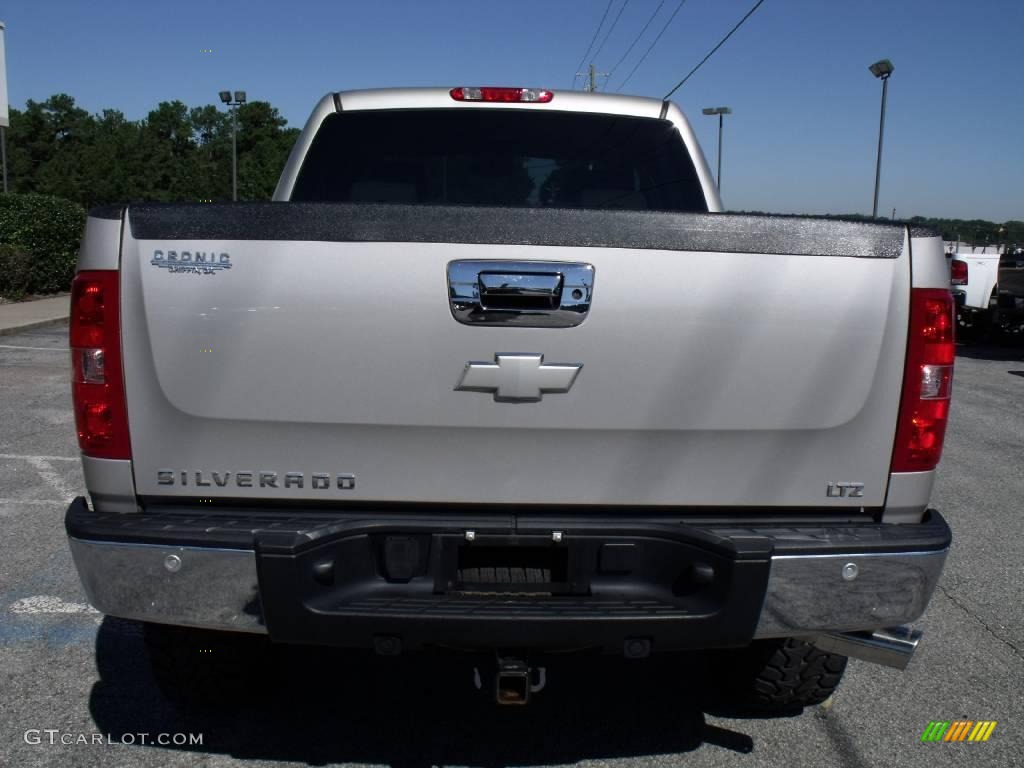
(958, 272)
(927, 381)
(97, 380)
(528, 95)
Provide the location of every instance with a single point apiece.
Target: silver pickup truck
(493, 372)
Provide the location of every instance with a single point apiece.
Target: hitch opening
(514, 680)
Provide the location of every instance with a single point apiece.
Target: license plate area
(484, 569)
(530, 565)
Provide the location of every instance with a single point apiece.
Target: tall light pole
(882, 70)
(225, 96)
(4, 113)
(721, 112)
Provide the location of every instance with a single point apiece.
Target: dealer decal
(958, 730)
(194, 262)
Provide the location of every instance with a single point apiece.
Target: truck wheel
(777, 676)
(198, 668)
(973, 324)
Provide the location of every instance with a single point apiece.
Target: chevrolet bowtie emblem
(518, 378)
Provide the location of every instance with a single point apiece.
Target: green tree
(38, 135)
(263, 146)
(212, 133)
(175, 154)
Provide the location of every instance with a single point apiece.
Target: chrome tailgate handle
(538, 294)
(520, 290)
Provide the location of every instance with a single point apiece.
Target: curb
(12, 329)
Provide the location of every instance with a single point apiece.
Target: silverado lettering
(200, 478)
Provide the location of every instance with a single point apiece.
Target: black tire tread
(796, 674)
(776, 677)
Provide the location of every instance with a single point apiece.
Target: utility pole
(591, 74)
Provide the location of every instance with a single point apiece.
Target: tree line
(979, 232)
(969, 232)
(976, 231)
(175, 153)
(179, 153)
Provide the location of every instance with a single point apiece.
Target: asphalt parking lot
(65, 667)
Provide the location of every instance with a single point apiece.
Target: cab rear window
(494, 157)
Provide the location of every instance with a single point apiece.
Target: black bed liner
(649, 230)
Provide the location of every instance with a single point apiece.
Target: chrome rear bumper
(190, 586)
(842, 593)
(807, 595)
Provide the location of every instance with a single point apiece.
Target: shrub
(47, 229)
(15, 272)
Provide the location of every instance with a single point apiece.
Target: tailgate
(311, 353)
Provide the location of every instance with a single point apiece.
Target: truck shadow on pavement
(322, 706)
(1008, 351)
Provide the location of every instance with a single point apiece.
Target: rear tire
(202, 668)
(776, 676)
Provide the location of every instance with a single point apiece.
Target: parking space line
(54, 480)
(48, 604)
(34, 502)
(35, 349)
(27, 458)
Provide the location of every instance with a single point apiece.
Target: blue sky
(802, 137)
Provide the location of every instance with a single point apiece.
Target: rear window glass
(523, 158)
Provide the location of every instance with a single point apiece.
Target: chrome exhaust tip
(890, 646)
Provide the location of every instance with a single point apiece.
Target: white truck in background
(973, 278)
(1009, 309)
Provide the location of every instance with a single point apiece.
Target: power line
(612, 27)
(636, 39)
(720, 44)
(651, 48)
(593, 40)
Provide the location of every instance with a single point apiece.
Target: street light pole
(3, 153)
(721, 112)
(234, 153)
(883, 71)
(239, 100)
(718, 174)
(4, 116)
